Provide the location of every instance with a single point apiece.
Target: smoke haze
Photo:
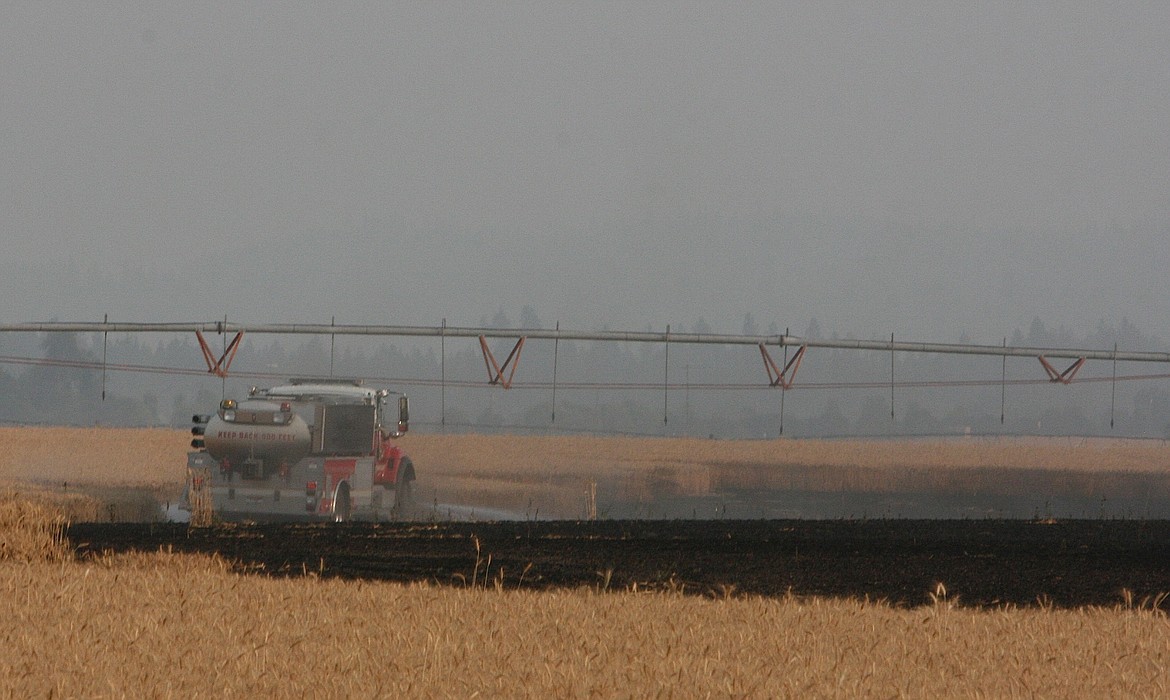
(911, 167)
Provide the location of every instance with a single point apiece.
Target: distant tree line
(699, 390)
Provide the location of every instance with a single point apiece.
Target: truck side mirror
(403, 413)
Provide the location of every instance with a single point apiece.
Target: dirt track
(1066, 563)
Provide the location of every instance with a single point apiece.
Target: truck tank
(257, 438)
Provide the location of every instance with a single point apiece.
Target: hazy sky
(922, 168)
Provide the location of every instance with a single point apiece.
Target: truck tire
(342, 504)
(404, 489)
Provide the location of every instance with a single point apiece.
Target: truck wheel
(342, 504)
(404, 490)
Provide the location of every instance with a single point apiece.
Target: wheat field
(551, 474)
(556, 469)
(496, 454)
(168, 625)
(147, 457)
(156, 456)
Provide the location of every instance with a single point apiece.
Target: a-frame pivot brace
(496, 370)
(776, 376)
(219, 367)
(1064, 377)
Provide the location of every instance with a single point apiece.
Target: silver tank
(257, 430)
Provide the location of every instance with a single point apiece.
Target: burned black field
(979, 562)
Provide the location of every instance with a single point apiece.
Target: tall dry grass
(171, 625)
(154, 625)
(31, 530)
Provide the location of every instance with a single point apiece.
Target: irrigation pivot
(780, 378)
